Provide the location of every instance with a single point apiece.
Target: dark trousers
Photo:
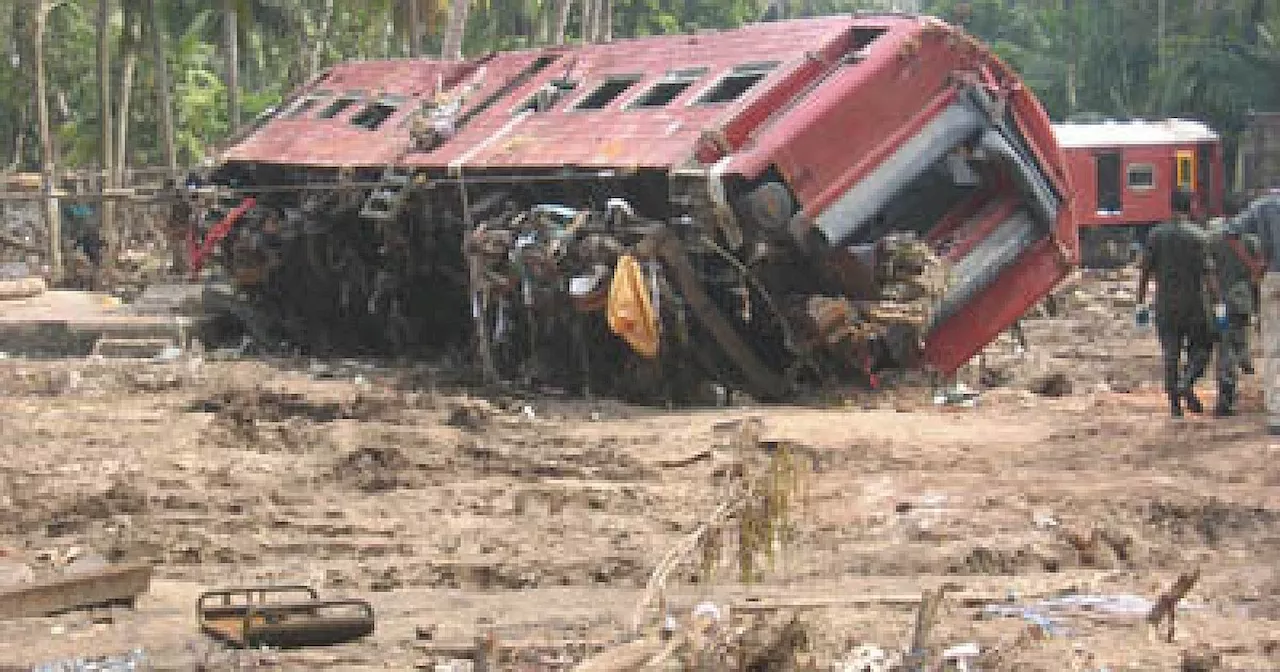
(1233, 353)
(1179, 335)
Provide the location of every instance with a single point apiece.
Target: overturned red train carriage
(768, 207)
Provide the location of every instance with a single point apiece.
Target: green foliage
(1215, 61)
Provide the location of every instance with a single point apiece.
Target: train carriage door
(1107, 172)
(1186, 169)
(1204, 187)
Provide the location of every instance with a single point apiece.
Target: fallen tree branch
(1166, 605)
(658, 578)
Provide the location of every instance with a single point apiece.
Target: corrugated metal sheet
(496, 137)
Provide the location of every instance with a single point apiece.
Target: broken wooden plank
(628, 656)
(927, 616)
(903, 600)
(465, 649)
(119, 584)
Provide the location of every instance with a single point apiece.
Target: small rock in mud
(1051, 385)
(470, 413)
(1201, 661)
(121, 497)
(373, 469)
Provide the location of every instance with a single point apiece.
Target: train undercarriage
(518, 275)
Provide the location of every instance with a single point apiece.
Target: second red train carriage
(1124, 173)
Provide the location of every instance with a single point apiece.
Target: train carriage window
(607, 92)
(1141, 176)
(546, 98)
(373, 116)
(339, 106)
(668, 88)
(733, 85)
(304, 105)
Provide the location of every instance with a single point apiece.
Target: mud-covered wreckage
(784, 204)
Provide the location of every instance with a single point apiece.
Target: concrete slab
(65, 323)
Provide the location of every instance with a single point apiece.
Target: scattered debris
(957, 395)
(281, 616)
(866, 658)
(127, 662)
(119, 584)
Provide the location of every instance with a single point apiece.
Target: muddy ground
(539, 518)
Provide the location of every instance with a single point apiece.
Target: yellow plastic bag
(631, 313)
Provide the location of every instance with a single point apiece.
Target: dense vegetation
(154, 60)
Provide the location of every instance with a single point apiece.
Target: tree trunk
(1257, 10)
(107, 228)
(415, 28)
(24, 45)
(456, 30)
(233, 64)
(542, 30)
(562, 20)
(322, 44)
(588, 21)
(52, 217)
(164, 95)
(606, 21)
(129, 44)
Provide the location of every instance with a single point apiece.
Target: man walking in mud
(1177, 255)
(1238, 260)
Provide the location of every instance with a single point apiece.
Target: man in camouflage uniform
(1239, 262)
(1177, 255)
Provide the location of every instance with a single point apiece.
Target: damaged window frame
(758, 71)
(1140, 168)
(305, 104)
(367, 118)
(630, 80)
(341, 105)
(547, 97)
(682, 79)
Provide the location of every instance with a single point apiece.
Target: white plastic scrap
(960, 657)
(134, 660)
(865, 658)
(958, 395)
(707, 609)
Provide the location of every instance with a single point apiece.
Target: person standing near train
(1237, 257)
(1177, 257)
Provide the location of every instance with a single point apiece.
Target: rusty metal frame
(257, 620)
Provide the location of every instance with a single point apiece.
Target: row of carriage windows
(728, 88)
